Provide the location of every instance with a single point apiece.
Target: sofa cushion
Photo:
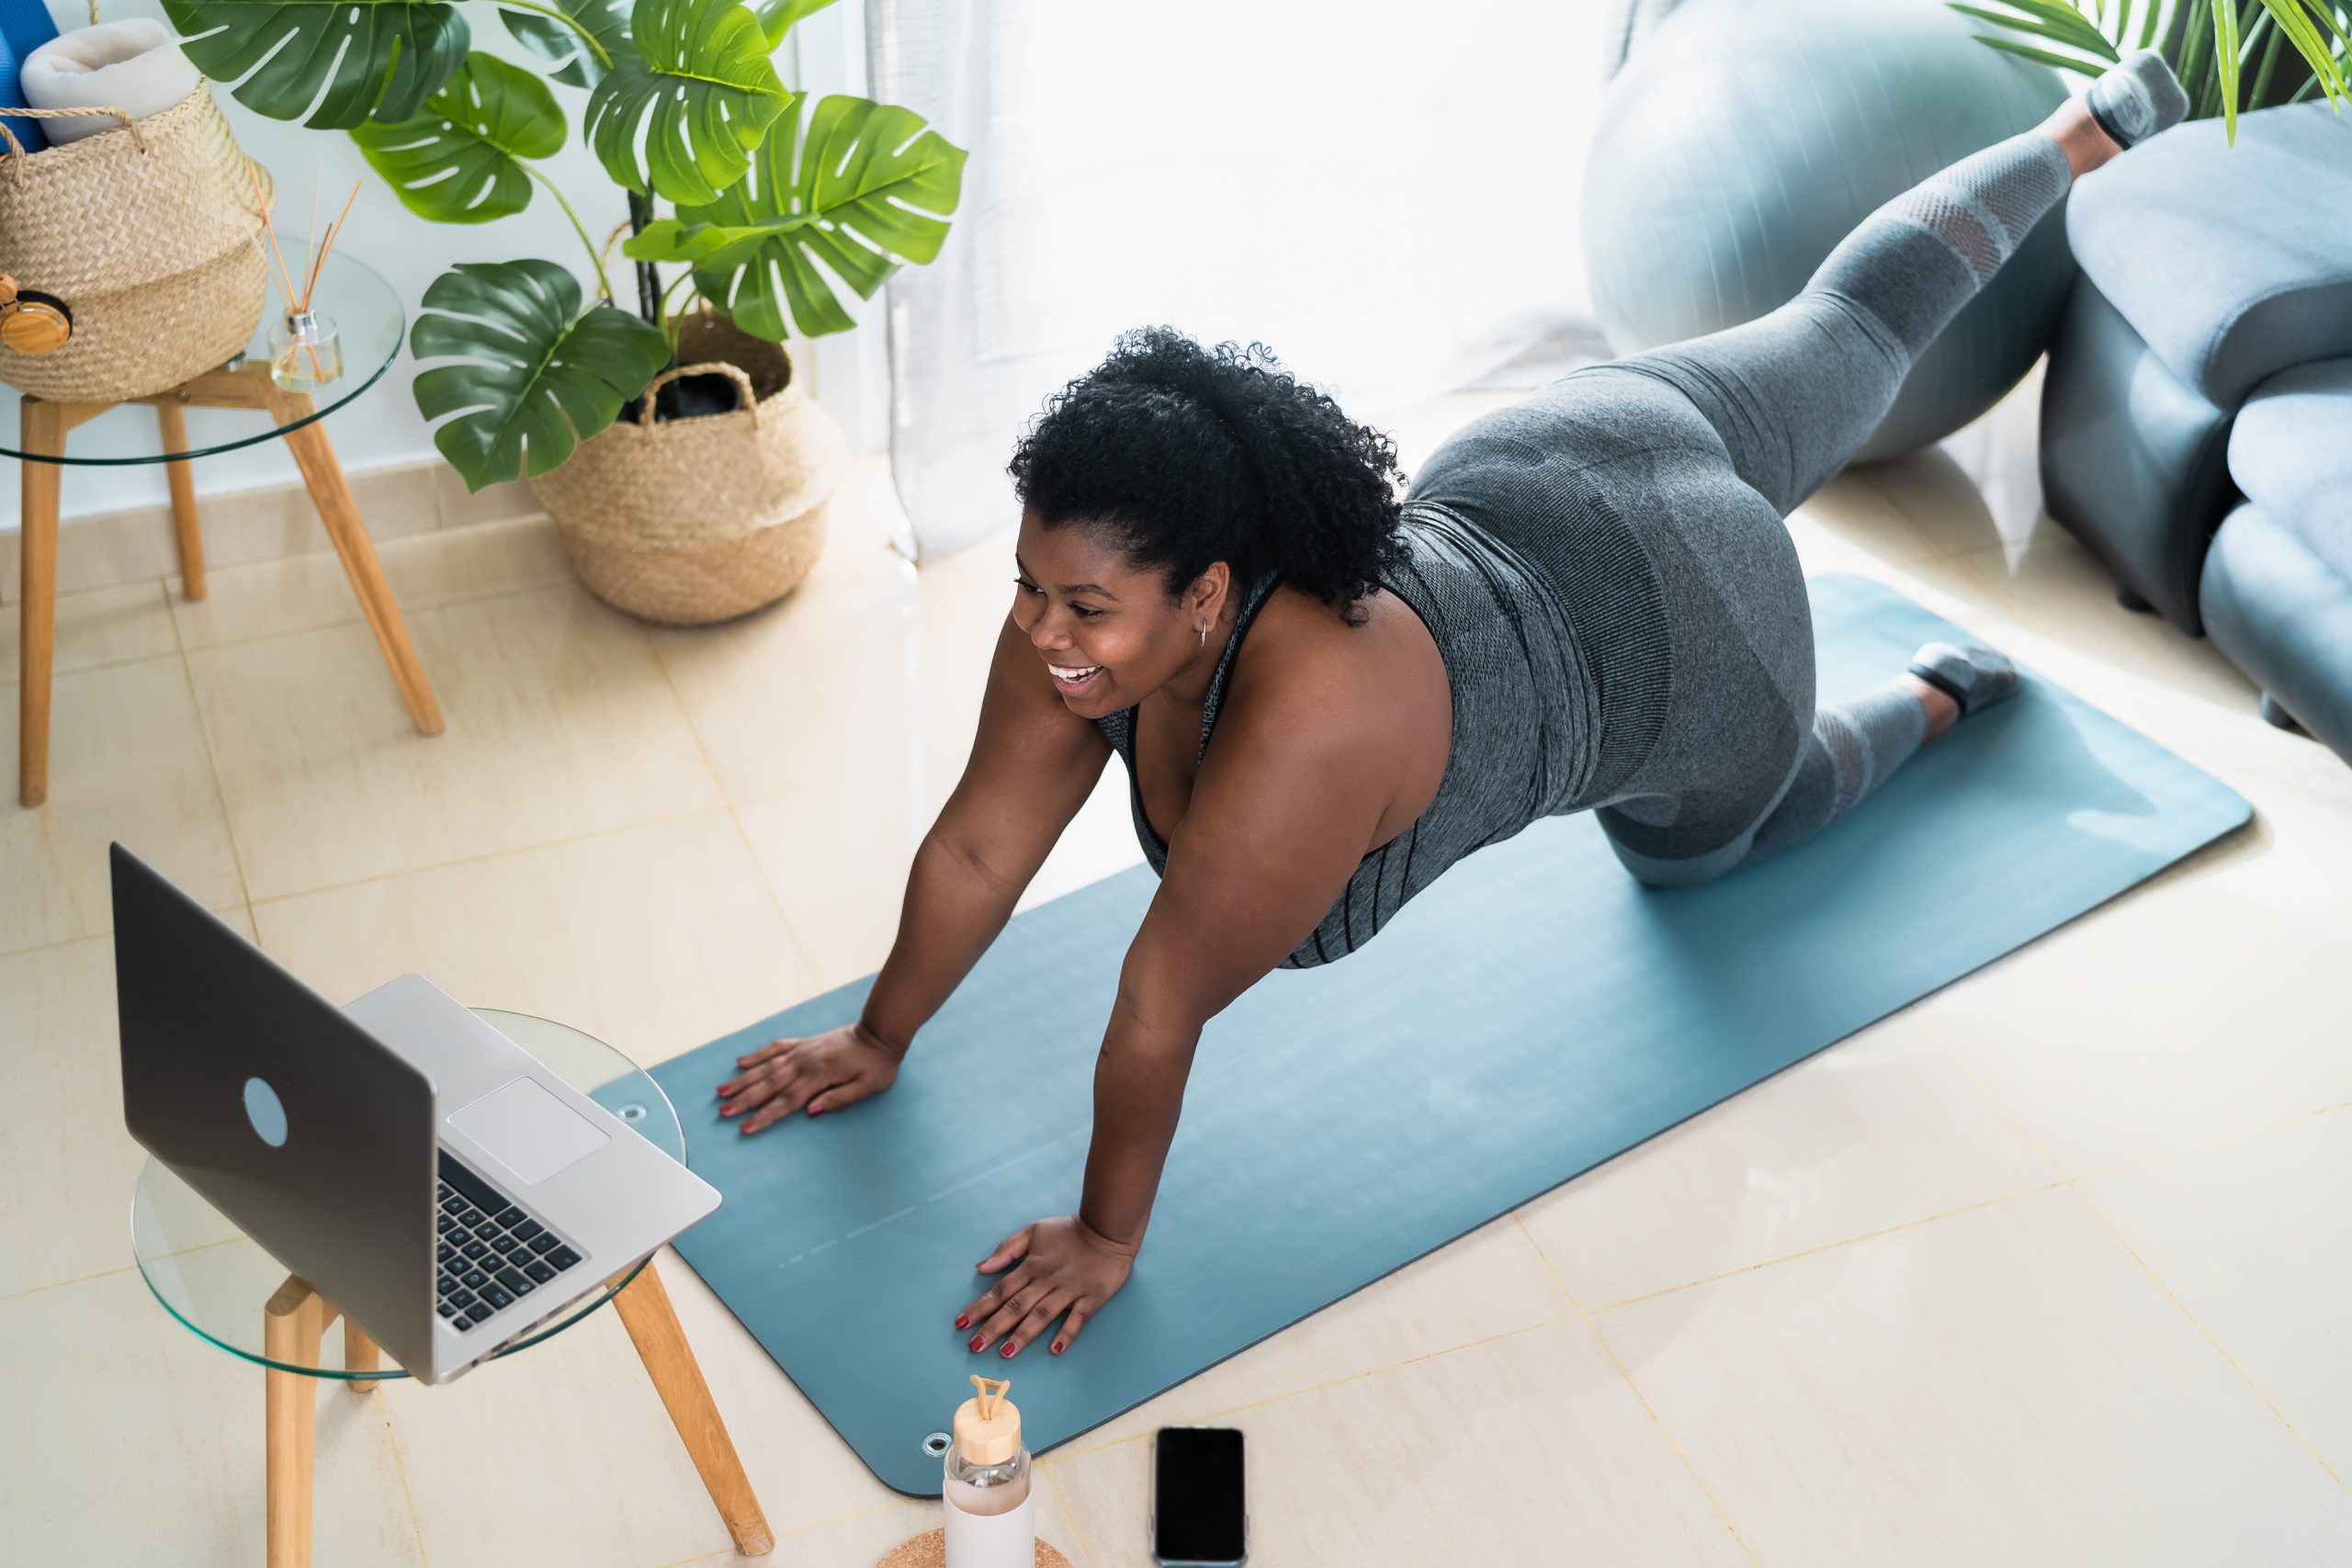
(2291, 452)
(2284, 617)
(2233, 263)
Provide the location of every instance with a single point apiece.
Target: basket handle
(742, 386)
(16, 149)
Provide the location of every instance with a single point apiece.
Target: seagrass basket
(690, 521)
(149, 234)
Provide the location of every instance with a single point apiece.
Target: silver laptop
(421, 1170)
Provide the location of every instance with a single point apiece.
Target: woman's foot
(1953, 683)
(2136, 98)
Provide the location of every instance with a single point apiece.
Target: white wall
(383, 428)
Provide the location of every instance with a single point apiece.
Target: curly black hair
(1184, 456)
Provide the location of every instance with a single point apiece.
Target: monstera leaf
(866, 187)
(460, 162)
(370, 57)
(580, 63)
(777, 16)
(541, 375)
(682, 111)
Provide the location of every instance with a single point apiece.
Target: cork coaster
(931, 1551)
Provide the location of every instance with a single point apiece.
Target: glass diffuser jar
(304, 352)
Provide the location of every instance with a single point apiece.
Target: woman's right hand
(820, 1072)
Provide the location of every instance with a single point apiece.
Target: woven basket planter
(690, 521)
(147, 233)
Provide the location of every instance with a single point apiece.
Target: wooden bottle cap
(33, 327)
(988, 1428)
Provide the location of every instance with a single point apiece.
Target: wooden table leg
(292, 1324)
(40, 427)
(652, 1324)
(360, 1354)
(172, 417)
(332, 494)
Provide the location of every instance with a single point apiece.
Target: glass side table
(371, 323)
(223, 1286)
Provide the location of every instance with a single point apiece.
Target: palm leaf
(580, 61)
(2226, 64)
(2063, 23)
(352, 59)
(866, 187)
(539, 375)
(2095, 43)
(682, 112)
(460, 162)
(2296, 23)
(2046, 57)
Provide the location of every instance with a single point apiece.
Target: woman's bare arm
(1032, 765)
(1034, 762)
(1279, 819)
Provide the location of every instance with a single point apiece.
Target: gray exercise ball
(1745, 138)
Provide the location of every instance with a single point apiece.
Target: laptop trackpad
(528, 1131)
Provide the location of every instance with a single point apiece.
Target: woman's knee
(1662, 865)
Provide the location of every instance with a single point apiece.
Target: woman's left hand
(1064, 1264)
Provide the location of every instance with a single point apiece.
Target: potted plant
(705, 499)
(2226, 52)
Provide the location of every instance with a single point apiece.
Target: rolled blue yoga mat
(25, 26)
(1528, 1017)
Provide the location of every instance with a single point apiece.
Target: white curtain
(1384, 194)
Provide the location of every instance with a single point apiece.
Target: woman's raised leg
(1794, 393)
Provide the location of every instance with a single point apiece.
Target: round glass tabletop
(216, 1280)
(369, 326)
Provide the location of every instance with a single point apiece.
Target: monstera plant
(775, 204)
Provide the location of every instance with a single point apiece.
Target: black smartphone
(1199, 1517)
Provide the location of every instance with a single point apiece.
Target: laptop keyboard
(491, 1253)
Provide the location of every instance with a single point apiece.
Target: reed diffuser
(304, 351)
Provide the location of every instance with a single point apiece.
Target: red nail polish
(1058, 1347)
(1009, 1348)
(976, 1341)
(964, 1321)
(816, 1110)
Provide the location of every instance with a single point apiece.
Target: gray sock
(1973, 677)
(2136, 98)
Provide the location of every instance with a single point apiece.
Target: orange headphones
(31, 321)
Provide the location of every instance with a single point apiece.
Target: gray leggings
(1706, 446)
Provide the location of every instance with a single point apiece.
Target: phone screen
(1197, 1502)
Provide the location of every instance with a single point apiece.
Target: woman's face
(1105, 629)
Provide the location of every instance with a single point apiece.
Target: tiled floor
(2043, 1269)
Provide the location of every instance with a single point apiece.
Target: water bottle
(992, 1516)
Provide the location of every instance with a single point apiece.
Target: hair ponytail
(1188, 456)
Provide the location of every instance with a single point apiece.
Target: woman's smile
(1073, 678)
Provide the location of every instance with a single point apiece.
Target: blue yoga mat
(1528, 1017)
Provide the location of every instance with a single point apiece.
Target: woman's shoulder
(1304, 664)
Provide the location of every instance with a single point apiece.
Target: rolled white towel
(134, 65)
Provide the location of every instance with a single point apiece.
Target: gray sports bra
(1526, 710)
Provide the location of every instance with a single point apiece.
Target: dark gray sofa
(2197, 411)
